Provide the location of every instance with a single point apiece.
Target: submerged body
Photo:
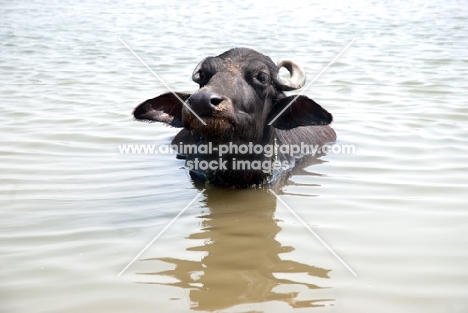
(242, 113)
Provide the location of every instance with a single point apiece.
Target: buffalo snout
(204, 102)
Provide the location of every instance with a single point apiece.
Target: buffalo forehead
(247, 63)
(233, 68)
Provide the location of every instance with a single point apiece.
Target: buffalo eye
(263, 78)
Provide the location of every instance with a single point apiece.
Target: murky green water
(74, 211)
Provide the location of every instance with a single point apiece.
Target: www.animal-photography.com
(266, 156)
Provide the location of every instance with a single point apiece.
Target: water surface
(75, 212)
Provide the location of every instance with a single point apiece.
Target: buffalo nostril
(215, 100)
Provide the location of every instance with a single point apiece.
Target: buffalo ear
(302, 112)
(166, 108)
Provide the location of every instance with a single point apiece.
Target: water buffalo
(239, 109)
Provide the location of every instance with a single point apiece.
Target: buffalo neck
(234, 162)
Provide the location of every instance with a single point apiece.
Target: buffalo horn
(196, 74)
(297, 79)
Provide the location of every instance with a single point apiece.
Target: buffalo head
(240, 93)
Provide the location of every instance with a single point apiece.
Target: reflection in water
(242, 258)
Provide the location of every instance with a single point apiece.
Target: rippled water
(75, 212)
